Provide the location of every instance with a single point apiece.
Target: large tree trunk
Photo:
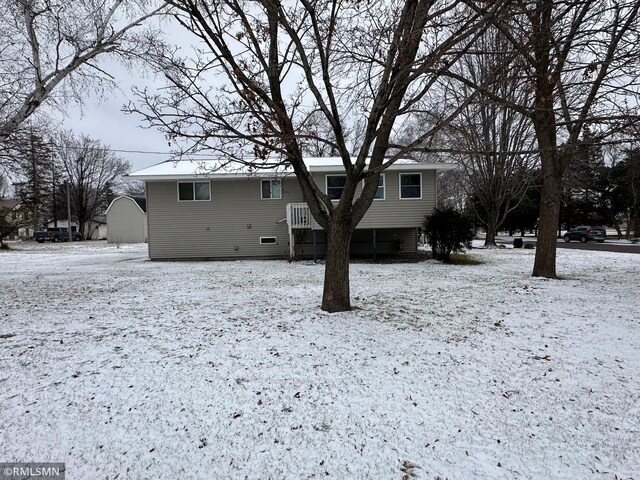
(492, 227)
(635, 225)
(544, 123)
(82, 227)
(551, 195)
(335, 297)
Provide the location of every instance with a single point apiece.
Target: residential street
(619, 246)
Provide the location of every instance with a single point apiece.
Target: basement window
(268, 240)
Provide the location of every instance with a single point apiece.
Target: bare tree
(580, 59)
(317, 138)
(91, 170)
(495, 142)
(134, 189)
(363, 66)
(627, 177)
(52, 45)
(450, 193)
(437, 149)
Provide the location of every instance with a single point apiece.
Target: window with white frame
(380, 193)
(194, 191)
(410, 185)
(335, 186)
(270, 189)
(268, 240)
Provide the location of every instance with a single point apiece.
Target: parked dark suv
(585, 234)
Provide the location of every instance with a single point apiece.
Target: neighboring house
(201, 210)
(99, 227)
(62, 224)
(15, 219)
(127, 220)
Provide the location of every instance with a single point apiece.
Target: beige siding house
(195, 211)
(15, 214)
(127, 220)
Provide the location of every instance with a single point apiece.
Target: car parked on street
(585, 234)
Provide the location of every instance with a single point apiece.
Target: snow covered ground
(130, 369)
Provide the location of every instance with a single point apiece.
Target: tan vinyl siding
(236, 216)
(126, 223)
(231, 224)
(394, 212)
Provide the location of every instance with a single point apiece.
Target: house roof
(9, 203)
(189, 169)
(139, 201)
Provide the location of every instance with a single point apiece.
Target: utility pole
(69, 211)
(35, 181)
(55, 202)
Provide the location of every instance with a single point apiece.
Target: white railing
(298, 215)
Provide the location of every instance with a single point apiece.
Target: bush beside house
(448, 231)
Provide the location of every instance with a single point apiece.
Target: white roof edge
(205, 176)
(394, 167)
(271, 173)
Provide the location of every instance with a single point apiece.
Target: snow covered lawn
(130, 369)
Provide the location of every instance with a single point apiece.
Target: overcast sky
(101, 116)
(103, 120)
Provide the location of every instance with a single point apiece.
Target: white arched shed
(127, 220)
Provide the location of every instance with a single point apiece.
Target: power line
(204, 156)
(121, 150)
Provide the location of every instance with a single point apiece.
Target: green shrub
(447, 231)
